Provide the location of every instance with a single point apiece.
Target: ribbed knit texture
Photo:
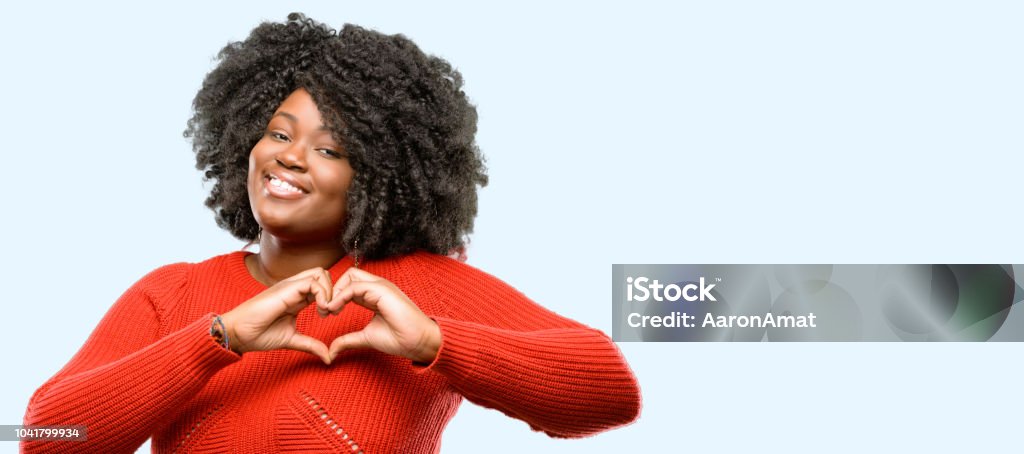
(150, 368)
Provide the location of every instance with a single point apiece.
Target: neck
(279, 260)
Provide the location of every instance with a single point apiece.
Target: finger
(359, 274)
(317, 274)
(330, 291)
(350, 278)
(295, 293)
(343, 280)
(336, 304)
(314, 287)
(306, 273)
(349, 341)
(366, 294)
(303, 343)
(346, 280)
(320, 289)
(335, 307)
(355, 275)
(328, 284)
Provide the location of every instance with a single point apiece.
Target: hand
(267, 321)
(398, 327)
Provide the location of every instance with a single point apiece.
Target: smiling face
(299, 175)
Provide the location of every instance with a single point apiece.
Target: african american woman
(349, 157)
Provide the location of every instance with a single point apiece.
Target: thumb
(355, 339)
(303, 343)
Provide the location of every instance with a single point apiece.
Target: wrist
(227, 322)
(430, 346)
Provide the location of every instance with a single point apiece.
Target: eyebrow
(296, 120)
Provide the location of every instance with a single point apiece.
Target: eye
(277, 136)
(331, 153)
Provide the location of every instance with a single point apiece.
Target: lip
(282, 193)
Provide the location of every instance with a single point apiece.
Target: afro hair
(406, 125)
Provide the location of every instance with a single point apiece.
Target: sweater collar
(239, 273)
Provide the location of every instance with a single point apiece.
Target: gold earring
(355, 254)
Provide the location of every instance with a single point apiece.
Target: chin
(285, 229)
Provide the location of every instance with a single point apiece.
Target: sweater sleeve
(128, 378)
(501, 350)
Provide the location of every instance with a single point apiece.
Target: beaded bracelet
(219, 332)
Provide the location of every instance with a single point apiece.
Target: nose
(292, 157)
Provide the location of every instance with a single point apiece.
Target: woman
(349, 158)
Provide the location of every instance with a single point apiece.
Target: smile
(282, 189)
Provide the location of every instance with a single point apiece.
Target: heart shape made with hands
(398, 327)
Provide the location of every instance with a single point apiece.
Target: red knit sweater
(151, 369)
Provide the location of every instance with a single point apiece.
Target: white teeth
(283, 184)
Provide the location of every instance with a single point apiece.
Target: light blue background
(713, 132)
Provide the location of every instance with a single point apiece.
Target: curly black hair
(401, 115)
